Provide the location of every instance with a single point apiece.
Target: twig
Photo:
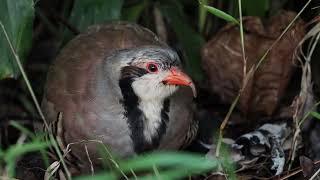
(111, 158)
(295, 171)
(244, 83)
(91, 164)
(56, 148)
(242, 45)
(234, 103)
(224, 124)
(315, 174)
(134, 174)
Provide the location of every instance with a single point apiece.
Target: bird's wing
(182, 126)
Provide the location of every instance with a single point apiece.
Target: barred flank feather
(56, 129)
(191, 134)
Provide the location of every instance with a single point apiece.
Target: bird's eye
(152, 67)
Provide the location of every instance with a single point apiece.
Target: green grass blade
(105, 176)
(315, 114)
(167, 159)
(15, 151)
(202, 15)
(176, 173)
(221, 14)
(165, 165)
(22, 129)
(19, 149)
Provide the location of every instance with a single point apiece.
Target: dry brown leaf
(223, 63)
(306, 165)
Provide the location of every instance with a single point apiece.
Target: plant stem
(16, 57)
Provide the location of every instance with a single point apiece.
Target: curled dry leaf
(307, 166)
(223, 63)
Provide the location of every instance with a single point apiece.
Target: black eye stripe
(132, 72)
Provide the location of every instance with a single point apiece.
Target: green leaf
(220, 14)
(108, 176)
(22, 129)
(17, 19)
(255, 8)
(88, 12)
(17, 150)
(315, 114)
(175, 173)
(180, 160)
(169, 165)
(169, 174)
(190, 40)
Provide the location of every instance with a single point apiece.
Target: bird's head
(152, 72)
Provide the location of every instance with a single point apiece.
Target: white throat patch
(152, 93)
(149, 87)
(152, 112)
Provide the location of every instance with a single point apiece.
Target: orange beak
(176, 77)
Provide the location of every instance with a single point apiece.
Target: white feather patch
(152, 93)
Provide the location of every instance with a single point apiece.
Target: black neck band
(135, 117)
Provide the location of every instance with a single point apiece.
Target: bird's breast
(152, 120)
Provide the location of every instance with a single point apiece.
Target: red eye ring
(152, 67)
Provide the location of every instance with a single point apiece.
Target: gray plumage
(83, 84)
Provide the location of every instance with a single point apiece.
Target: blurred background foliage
(16, 18)
(184, 24)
